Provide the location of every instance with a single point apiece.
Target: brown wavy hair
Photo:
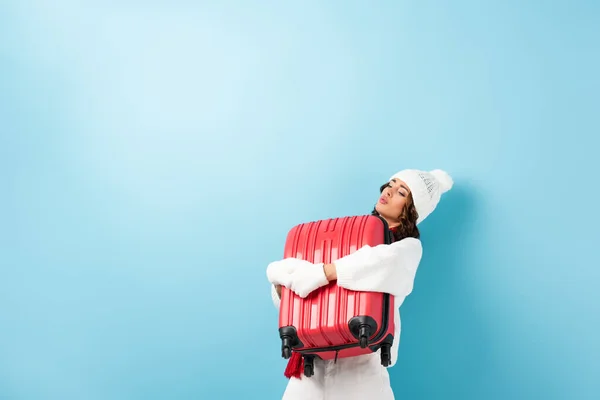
(408, 219)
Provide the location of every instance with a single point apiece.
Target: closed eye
(400, 192)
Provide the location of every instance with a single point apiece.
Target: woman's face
(392, 201)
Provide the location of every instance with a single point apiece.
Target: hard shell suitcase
(333, 322)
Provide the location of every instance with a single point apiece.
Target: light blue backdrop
(153, 157)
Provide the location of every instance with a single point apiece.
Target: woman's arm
(384, 268)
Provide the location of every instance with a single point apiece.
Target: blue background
(154, 155)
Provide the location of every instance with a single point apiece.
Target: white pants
(360, 378)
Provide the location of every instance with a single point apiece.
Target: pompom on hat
(426, 188)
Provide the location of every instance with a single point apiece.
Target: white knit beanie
(426, 188)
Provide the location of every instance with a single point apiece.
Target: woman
(406, 200)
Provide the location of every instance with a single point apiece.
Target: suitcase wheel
(309, 368)
(289, 339)
(364, 339)
(386, 355)
(362, 327)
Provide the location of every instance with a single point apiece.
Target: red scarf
(295, 366)
(393, 230)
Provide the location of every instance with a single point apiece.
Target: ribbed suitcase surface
(334, 322)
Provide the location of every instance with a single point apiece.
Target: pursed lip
(383, 200)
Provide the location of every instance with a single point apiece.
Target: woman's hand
(308, 278)
(280, 272)
(300, 276)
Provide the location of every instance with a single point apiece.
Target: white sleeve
(275, 296)
(383, 268)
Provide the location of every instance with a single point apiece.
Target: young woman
(405, 201)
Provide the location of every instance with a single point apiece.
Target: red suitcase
(333, 322)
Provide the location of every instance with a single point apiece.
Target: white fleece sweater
(383, 268)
